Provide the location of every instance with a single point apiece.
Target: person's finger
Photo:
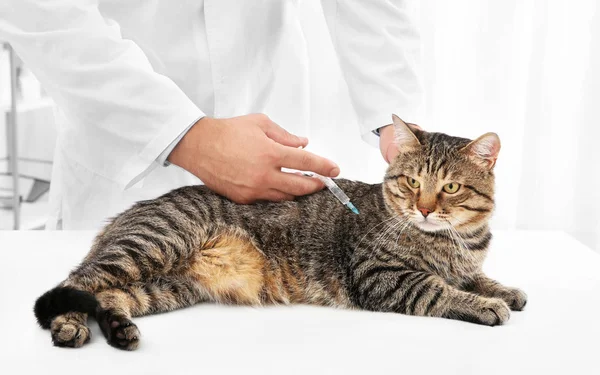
(282, 136)
(293, 158)
(274, 195)
(294, 184)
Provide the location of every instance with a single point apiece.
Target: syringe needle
(336, 191)
(352, 208)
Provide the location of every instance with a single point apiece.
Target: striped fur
(191, 246)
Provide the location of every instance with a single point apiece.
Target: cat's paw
(119, 331)
(493, 312)
(69, 333)
(515, 298)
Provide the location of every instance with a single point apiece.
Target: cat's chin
(429, 226)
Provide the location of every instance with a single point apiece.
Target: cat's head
(438, 181)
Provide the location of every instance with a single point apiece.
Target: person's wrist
(183, 151)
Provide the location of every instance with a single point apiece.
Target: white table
(558, 333)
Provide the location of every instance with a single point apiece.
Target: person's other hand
(387, 146)
(241, 158)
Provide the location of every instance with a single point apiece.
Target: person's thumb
(282, 136)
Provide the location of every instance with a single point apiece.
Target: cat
(416, 248)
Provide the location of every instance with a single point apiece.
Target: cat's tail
(61, 300)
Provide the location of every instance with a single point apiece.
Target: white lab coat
(129, 76)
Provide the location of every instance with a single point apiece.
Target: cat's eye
(412, 182)
(451, 188)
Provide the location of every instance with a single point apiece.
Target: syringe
(337, 192)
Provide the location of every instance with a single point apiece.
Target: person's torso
(229, 57)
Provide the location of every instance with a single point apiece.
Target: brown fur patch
(230, 269)
(117, 300)
(274, 291)
(339, 296)
(291, 284)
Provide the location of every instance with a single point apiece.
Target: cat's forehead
(438, 156)
(441, 141)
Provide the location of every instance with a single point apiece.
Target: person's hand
(241, 158)
(387, 146)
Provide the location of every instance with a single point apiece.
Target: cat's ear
(484, 150)
(405, 137)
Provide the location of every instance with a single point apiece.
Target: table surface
(559, 332)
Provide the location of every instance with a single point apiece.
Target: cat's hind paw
(120, 331)
(68, 332)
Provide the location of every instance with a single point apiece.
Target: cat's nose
(424, 211)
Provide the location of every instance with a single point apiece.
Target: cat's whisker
(456, 239)
(384, 235)
(460, 253)
(388, 227)
(460, 222)
(404, 250)
(463, 247)
(379, 236)
(451, 236)
(377, 225)
(460, 239)
(403, 226)
(458, 233)
(397, 227)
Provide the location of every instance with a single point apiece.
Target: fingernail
(334, 172)
(304, 139)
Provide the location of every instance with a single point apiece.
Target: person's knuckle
(261, 177)
(277, 156)
(272, 156)
(262, 117)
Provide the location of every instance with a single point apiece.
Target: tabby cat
(416, 248)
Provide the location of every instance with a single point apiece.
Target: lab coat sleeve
(126, 112)
(378, 48)
(162, 158)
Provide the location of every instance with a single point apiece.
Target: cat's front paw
(493, 312)
(515, 298)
